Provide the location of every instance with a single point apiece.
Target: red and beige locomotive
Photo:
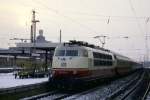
(80, 60)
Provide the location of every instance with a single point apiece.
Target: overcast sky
(80, 20)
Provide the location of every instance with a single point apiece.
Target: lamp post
(33, 39)
(146, 41)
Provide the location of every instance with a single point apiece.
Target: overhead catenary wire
(139, 25)
(101, 15)
(134, 12)
(66, 17)
(106, 17)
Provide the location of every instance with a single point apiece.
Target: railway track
(147, 93)
(53, 95)
(57, 95)
(99, 93)
(103, 91)
(135, 90)
(124, 91)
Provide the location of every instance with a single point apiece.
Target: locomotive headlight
(51, 75)
(53, 72)
(74, 72)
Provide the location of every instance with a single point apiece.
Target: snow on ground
(8, 80)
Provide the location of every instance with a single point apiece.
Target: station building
(41, 49)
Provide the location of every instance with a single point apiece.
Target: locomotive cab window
(60, 53)
(71, 52)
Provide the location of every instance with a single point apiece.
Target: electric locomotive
(77, 60)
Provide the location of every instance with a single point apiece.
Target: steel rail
(35, 97)
(121, 89)
(133, 88)
(76, 96)
(147, 91)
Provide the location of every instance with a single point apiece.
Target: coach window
(60, 53)
(71, 52)
(95, 55)
(109, 63)
(110, 57)
(96, 62)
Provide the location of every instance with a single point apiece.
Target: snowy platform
(8, 80)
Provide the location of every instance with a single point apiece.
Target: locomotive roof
(85, 44)
(82, 44)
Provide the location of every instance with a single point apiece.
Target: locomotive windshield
(71, 53)
(60, 53)
(66, 53)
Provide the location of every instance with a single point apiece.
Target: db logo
(63, 59)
